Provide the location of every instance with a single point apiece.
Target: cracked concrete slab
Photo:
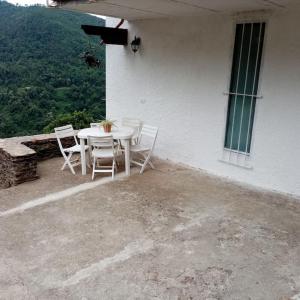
(130, 250)
(171, 233)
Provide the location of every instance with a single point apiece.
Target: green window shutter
(244, 85)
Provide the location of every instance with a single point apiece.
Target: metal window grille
(243, 89)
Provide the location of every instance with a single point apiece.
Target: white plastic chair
(64, 132)
(95, 125)
(103, 148)
(136, 124)
(98, 126)
(141, 153)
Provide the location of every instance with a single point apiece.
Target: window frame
(255, 17)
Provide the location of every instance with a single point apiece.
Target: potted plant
(107, 124)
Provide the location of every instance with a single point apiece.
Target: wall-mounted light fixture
(135, 44)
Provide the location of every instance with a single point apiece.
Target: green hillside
(42, 76)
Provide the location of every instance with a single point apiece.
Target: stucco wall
(176, 81)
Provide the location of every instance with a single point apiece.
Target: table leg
(127, 156)
(82, 154)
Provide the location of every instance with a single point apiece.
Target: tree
(42, 76)
(79, 119)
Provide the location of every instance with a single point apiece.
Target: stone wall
(19, 156)
(18, 164)
(47, 147)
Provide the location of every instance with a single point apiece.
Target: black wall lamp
(135, 44)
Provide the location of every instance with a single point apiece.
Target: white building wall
(176, 81)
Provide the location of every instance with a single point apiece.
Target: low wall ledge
(19, 156)
(15, 149)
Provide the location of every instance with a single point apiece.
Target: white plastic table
(125, 134)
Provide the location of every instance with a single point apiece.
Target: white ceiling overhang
(149, 9)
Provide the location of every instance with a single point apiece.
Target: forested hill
(42, 77)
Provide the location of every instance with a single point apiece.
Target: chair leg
(116, 163)
(113, 170)
(72, 169)
(143, 168)
(64, 165)
(149, 161)
(145, 164)
(67, 158)
(119, 148)
(89, 151)
(151, 164)
(94, 166)
(88, 160)
(68, 162)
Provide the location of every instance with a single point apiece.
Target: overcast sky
(27, 2)
(43, 2)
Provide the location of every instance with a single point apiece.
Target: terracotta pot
(107, 128)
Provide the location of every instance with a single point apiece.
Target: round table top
(119, 133)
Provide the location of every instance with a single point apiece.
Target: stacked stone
(17, 165)
(47, 147)
(19, 156)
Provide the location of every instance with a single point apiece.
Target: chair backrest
(95, 125)
(63, 132)
(130, 122)
(101, 142)
(149, 133)
(136, 124)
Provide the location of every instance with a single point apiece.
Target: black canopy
(109, 35)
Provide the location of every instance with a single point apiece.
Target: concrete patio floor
(171, 233)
